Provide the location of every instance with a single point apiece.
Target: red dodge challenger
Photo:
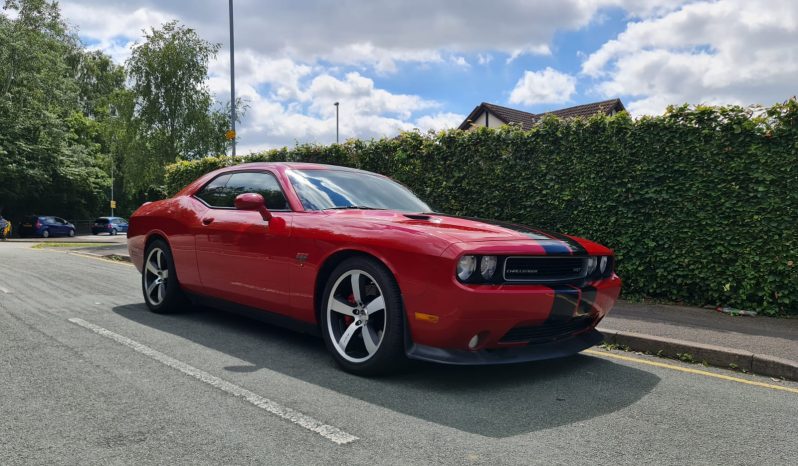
(358, 258)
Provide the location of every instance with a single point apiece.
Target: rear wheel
(159, 281)
(363, 319)
(113, 232)
(46, 234)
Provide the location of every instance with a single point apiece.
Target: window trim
(269, 172)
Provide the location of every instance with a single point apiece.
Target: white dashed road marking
(327, 431)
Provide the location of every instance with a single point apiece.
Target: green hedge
(700, 204)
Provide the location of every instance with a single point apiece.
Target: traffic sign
(230, 135)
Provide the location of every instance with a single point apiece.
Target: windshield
(343, 189)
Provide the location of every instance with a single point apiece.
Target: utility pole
(336, 121)
(232, 131)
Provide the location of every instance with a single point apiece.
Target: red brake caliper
(349, 319)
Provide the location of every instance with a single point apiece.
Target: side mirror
(252, 201)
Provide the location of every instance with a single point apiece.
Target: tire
(158, 272)
(113, 232)
(46, 234)
(71, 233)
(384, 322)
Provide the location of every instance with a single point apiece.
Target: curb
(718, 356)
(108, 257)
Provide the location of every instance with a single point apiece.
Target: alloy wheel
(156, 274)
(356, 316)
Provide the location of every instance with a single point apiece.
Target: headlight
(487, 267)
(591, 264)
(603, 264)
(466, 266)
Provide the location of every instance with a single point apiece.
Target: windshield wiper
(359, 207)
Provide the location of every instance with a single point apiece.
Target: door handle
(207, 220)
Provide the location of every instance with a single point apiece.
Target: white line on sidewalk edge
(329, 432)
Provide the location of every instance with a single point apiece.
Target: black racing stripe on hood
(577, 248)
(533, 233)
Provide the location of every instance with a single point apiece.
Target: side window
(214, 193)
(261, 183)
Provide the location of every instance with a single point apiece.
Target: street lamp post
(112, 185)
(336, 122)
(113, 115)
(232, 82)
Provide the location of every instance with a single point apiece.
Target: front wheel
(362, 318)
(71, 233)
(159, 281)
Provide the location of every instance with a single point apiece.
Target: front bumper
(509, 355)
(533, 320)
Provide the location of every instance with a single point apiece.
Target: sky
(397, 65)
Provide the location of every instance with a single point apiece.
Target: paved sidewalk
(763, 335)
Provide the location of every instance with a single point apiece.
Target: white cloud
(376, 33)
(307, 113)
(460, 61)
(723, 52)
(543, 87)
(290, 60)
(439, 121)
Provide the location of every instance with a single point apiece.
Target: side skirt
(262, 315)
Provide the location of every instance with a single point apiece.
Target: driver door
(241, 257)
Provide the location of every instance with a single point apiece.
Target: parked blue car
(46, 226)
(110, 225)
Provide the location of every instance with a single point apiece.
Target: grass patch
(62, 245)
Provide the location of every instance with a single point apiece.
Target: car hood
(453, 229)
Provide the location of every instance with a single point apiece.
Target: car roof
(291, 166)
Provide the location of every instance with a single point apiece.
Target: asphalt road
(89, 376)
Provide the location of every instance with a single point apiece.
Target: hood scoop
(418, 216)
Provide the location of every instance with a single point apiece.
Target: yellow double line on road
(689, 370)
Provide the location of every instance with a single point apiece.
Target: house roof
(527, 120)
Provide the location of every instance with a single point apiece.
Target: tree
(173, 112)
(50, 158)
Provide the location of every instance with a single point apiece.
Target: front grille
(544, 268)
(548, 331)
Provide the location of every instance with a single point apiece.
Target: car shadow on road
(493, 401)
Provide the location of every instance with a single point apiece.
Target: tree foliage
(699, 204)
(50, 158)
(173, 113)
(69, 120)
